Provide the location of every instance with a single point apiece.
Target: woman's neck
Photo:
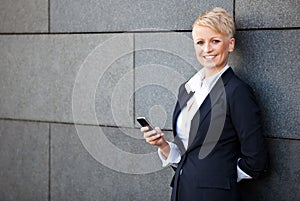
(212, 71)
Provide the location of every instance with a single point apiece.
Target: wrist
(164, 145)
(165, 148)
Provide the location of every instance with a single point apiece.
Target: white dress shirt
(201, 85)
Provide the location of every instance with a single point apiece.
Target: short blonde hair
(217, 19)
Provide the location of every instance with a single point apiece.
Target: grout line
(49, 16)
(280, 138)
(49, 161)
(74, 33)
(124, 32)
(268, 29)
(133, 109)
(110, 126)
(233, 10)
(67, 123)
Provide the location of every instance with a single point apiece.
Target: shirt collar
(195, 82)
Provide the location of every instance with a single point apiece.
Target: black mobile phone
(144, 122)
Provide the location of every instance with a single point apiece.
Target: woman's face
(212, 48)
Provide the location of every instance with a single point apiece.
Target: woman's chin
(209, 66)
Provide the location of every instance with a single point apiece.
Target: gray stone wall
(75, 74)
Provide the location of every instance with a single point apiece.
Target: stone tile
(98, 163)
(268, 61)
(52, 78)
(163, 61)
(24, 156)
(267, 14)
(23, 16)
(283, 180)
(107, 16)
(114, 92)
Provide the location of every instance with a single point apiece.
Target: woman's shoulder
(238, 86)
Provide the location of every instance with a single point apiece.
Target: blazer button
(180, 173)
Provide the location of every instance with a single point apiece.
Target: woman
(216, 122)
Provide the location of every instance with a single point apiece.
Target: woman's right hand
(156, 137)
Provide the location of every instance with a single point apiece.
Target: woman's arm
(156, 137)
(168, 152)
(246, 118)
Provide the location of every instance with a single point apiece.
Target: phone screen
(144, 122)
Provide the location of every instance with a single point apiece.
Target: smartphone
(144, 122)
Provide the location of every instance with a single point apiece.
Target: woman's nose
(207, 47)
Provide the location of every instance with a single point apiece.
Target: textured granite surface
(24, 156)
(163, 61)
(78, 175)
(23, 16)
(267, 14)
(269, 62)
(111, 16)
(48, 78)
(282, 182)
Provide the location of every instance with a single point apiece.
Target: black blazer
(226, 127)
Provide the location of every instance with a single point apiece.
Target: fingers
(148, 134)
(153, 136)
(144, 129)
(153, 139)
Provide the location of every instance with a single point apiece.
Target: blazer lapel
(183, 97)
(217, 95)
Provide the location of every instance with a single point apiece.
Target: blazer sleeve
(246, 118)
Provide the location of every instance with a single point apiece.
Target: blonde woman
(216, 122)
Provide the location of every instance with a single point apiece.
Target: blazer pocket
(216, 183)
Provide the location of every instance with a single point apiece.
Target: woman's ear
(231, 44)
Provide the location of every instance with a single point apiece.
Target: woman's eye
(215, 41)
(200, 43)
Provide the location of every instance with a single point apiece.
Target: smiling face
(212, 48)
